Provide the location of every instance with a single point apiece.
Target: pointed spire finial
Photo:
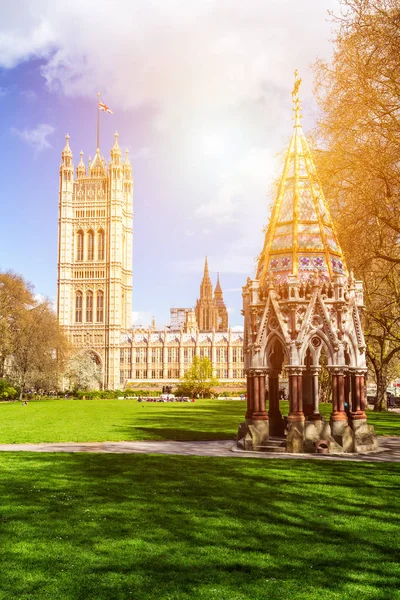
(206, 266)
(67, 148)
(296, 99)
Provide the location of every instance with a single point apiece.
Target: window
(237, 354)
(221, 354)
(79, 245)
(89, 307)
(204, 352)
(122, 355)
(78, 307)
(173, 355)
(100, 245)
(100, 307)
(90, 246)
(121, 377)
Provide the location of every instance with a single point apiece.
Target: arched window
(100, 307)
(78, 307)
(89, 307)
(100, 245)
(79, 245)
(90, 246)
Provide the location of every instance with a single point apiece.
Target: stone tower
(301, 302)
(94, 295)
(222, 312)
(211, 313)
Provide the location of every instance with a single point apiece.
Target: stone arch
(90, 245)
(352, 350)
(315, 350)
(80, 236)
(269, 342)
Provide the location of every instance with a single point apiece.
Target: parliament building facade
(94, 293)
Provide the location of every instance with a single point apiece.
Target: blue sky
(201, 94)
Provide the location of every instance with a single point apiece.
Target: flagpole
(98, 121)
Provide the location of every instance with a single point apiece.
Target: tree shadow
(97, 526)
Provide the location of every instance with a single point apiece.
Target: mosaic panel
(306, 240)
(283, 263)
(307, 210)
(282, 241)
(332, 244)
(291, 168)
(302, 167)
(286, 212)
(312, 262)
(337, 265)
(308, 228)
(328, 230)
(280, 229)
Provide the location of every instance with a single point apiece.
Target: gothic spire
(300, 238)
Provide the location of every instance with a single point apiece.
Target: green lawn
(124, 420)
(116, 527)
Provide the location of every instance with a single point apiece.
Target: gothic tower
(222, 312)
(211, 313)
(94, 296)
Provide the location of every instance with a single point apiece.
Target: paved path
(389, 450)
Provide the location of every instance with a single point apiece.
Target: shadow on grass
(145, 527)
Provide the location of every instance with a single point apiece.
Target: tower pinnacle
(296, 99)
(301, 237)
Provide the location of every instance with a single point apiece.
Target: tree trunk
(381, 385)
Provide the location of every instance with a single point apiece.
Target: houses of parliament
(94, 291)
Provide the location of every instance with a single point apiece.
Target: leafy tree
(83, 371)
(15, 296)
(359, 130)
(32, 346)
(39, 348)
(198, 379)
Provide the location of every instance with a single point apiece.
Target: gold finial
(295, 97)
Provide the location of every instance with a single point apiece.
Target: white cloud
(238, 328)
(25, 39)
(203, 55)
(37, 137)
(142, 318)
(142, 153)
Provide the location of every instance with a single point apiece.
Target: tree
(199, 378)
(39, 349)
(15, 296)
(359, 130)
(32, 346)
(83, 371)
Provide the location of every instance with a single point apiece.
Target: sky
(201, 95)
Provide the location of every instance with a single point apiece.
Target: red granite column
(250, 394)
(260, 414)
(273, 387)
(256, 394)
(315, 393)
(338, 412)
(358, 395)
(295, 395)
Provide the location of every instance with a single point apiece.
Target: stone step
(273, 445)
(271, 448)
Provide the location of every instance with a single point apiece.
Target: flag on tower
(104, 107)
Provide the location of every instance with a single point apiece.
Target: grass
(129, 420)
(116, 527)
